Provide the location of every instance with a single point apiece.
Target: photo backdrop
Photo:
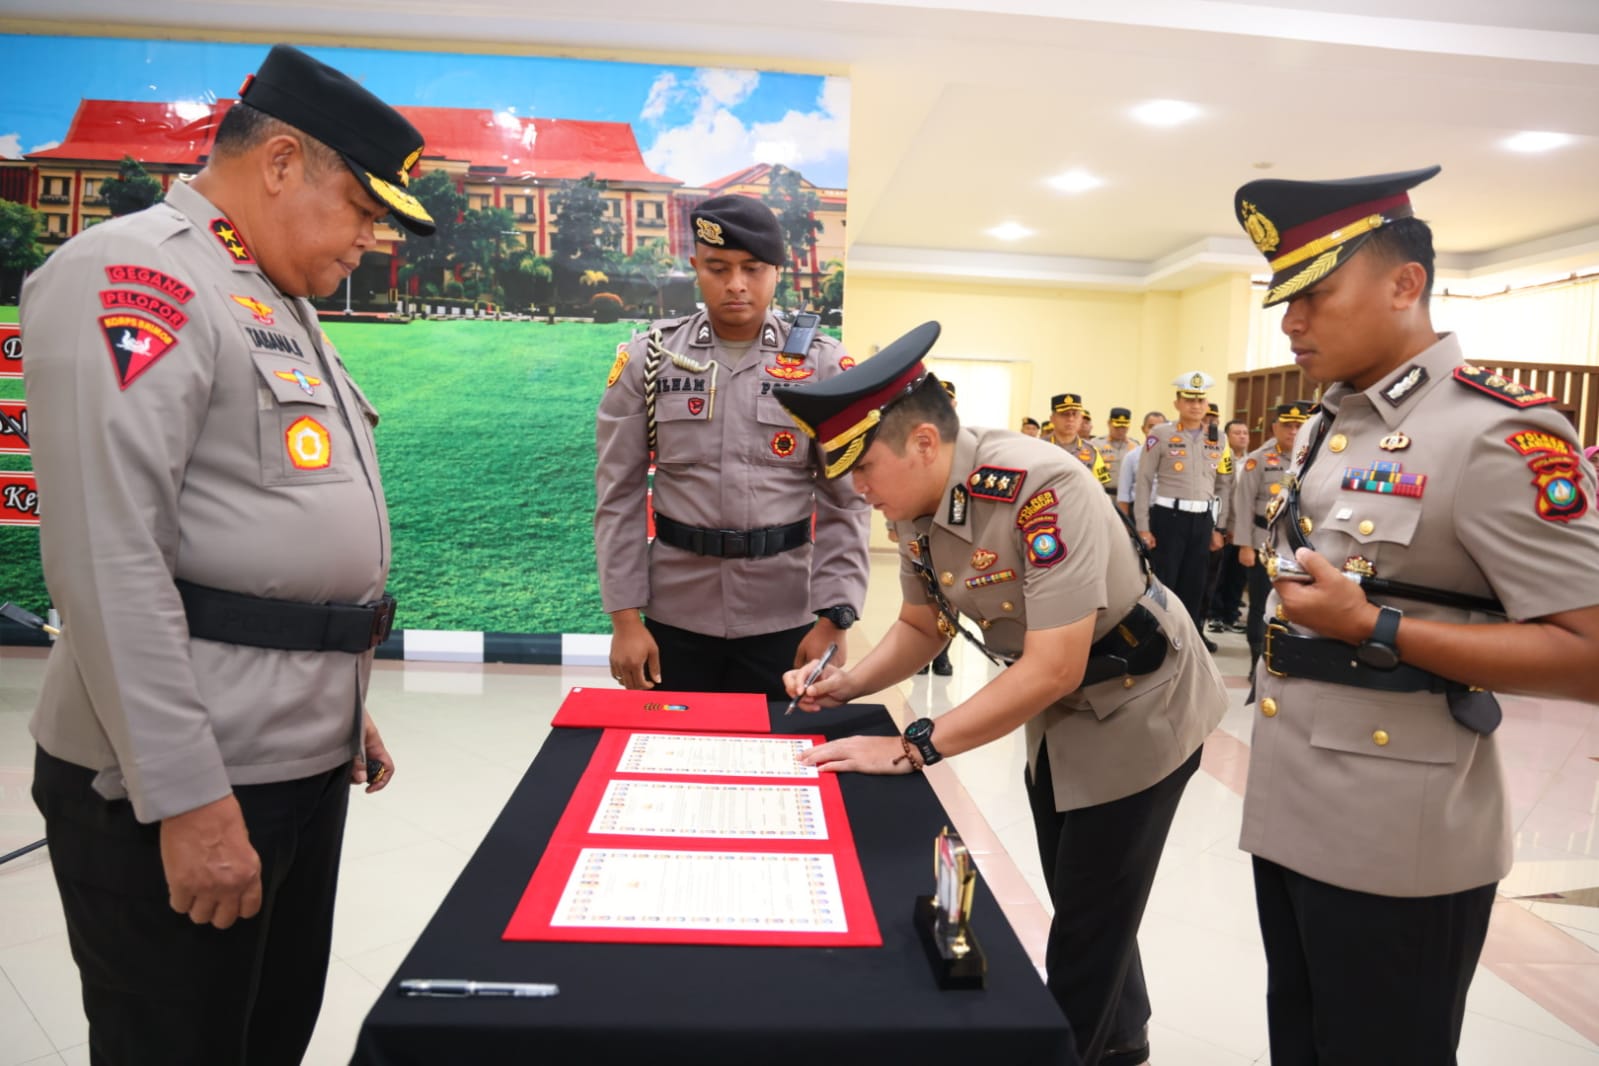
(563, 189)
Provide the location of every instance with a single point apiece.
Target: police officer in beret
(1436, 543)
(217, 547)
(1068, 422)
(1114, 446)
(1194, 467)
(1014, 543)
(1259, 481)
(733, 590)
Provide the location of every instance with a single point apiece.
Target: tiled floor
(464, 734)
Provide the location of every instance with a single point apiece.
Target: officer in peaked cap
(1194, 467)
(1013, 538)
(1114, 446)
(1258, 480)
(1068, 422)
(217, 548)
(1458, 502)
(733, 590)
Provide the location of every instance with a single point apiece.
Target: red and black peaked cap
(842, 413)
(1308, 229)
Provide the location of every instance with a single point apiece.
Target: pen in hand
(827, 657)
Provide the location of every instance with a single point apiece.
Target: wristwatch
(843, 617)
(1380, 651)
(919, 735)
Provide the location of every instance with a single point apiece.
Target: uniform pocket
(684, 433)
(301, 432)
(1413, 727)
(1373, 518)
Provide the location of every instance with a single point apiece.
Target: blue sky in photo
(692, 123)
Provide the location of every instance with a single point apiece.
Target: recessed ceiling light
(1536, 141)
(1010, 231)
(1075, 180)
(1165, 112)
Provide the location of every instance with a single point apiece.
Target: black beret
(739, 224)
(376, 142)
(1308, 229)
(842, 413)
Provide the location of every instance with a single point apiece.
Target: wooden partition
(1574, 387)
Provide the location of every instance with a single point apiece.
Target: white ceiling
(961, 110)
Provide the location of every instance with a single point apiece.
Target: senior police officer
(1068, 421)
(1194, 467)
(1115, 446)
(733, 592)
(1259, 481)
(1105, 670)
(1376, 808)
(216, 540)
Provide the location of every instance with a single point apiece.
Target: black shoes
(1210, 645)
(941, 664)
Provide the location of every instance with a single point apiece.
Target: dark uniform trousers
(1182, 555)
(694, 662)
(1099, 863)
(1226, 584)
(1356, 979)
(159, 989)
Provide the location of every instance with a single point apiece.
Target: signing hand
(1329, 603)
(862, 755)
(213, 874)
(830, 690)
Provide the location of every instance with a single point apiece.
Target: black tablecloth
(656, 1004)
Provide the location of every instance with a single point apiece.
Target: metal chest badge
(957, 505)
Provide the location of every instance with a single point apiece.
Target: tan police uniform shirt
(1112, 454)
(1257, 481)
(735, 461)
(1190, 467)
(1383, 792)
(1087, 453)
(1048, 550)
(238, 455)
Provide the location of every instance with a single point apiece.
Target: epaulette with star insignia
(1502, 389)
(996, 483)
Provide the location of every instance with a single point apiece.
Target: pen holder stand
(955, 955)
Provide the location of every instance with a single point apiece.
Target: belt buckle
(382, 619)
(735, 544)
(1272, 629)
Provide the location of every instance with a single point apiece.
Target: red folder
(672, 712)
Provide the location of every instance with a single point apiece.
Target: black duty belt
(1334, 662)
(234, 618)
(733, 543)
(1261, 523)
(1134, 647)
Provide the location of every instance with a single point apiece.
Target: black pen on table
(827, 657)
(456, 989)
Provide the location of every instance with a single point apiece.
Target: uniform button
(1367, 528)
(1177, 467)
(1268, 707)
(1129, 681)
(946, 578)
(1007, 606)
(1380, 738)
(1338, 443)
(1306, 526)
(983, 623)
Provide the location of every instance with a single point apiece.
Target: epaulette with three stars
(1502, 389)
(996, 483)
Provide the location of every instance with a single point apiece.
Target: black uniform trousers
(694, 662)
(1099, 863)
(1356, 979)
(159, 989)
(1182, 555)
(1227, 583)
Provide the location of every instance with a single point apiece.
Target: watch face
(918, 730)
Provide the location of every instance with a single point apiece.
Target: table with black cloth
(669, 1003)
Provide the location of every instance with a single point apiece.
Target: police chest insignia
(166, 284)
(1044, 546)
(135, 344)
(703, 334)
(230, 240)
(784, 443)
(769, 340)
(696, 405)
(708, 232)
(1555, 473)
(133, 300)
(790, 373)
(1035, 506)
(1359, 564)
(618, 366)
(1505, 391)
(998, 577)
(1394, 442)
(1396, 392)
(308, 444)
(260, 311)
(846, 362)
(996, 483)
(1386, 478)
(982, 559)
(1250, 464)
(306, 382)
(957, 506)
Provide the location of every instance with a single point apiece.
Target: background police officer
(733, 592)
(1115, 446)
(1376, 808)
(215, 536)
(1068, 423)
(1114, 696)
(1258, 481)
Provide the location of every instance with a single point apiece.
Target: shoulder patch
(1505, 391)
(1035, 506)
(1555, 474)
(618, 366)
(996, 483)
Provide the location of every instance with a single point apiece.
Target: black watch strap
(842, 616)
(1386, 631)
(919, 734)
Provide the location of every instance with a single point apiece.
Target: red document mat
(832, 856)
(667, 712)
